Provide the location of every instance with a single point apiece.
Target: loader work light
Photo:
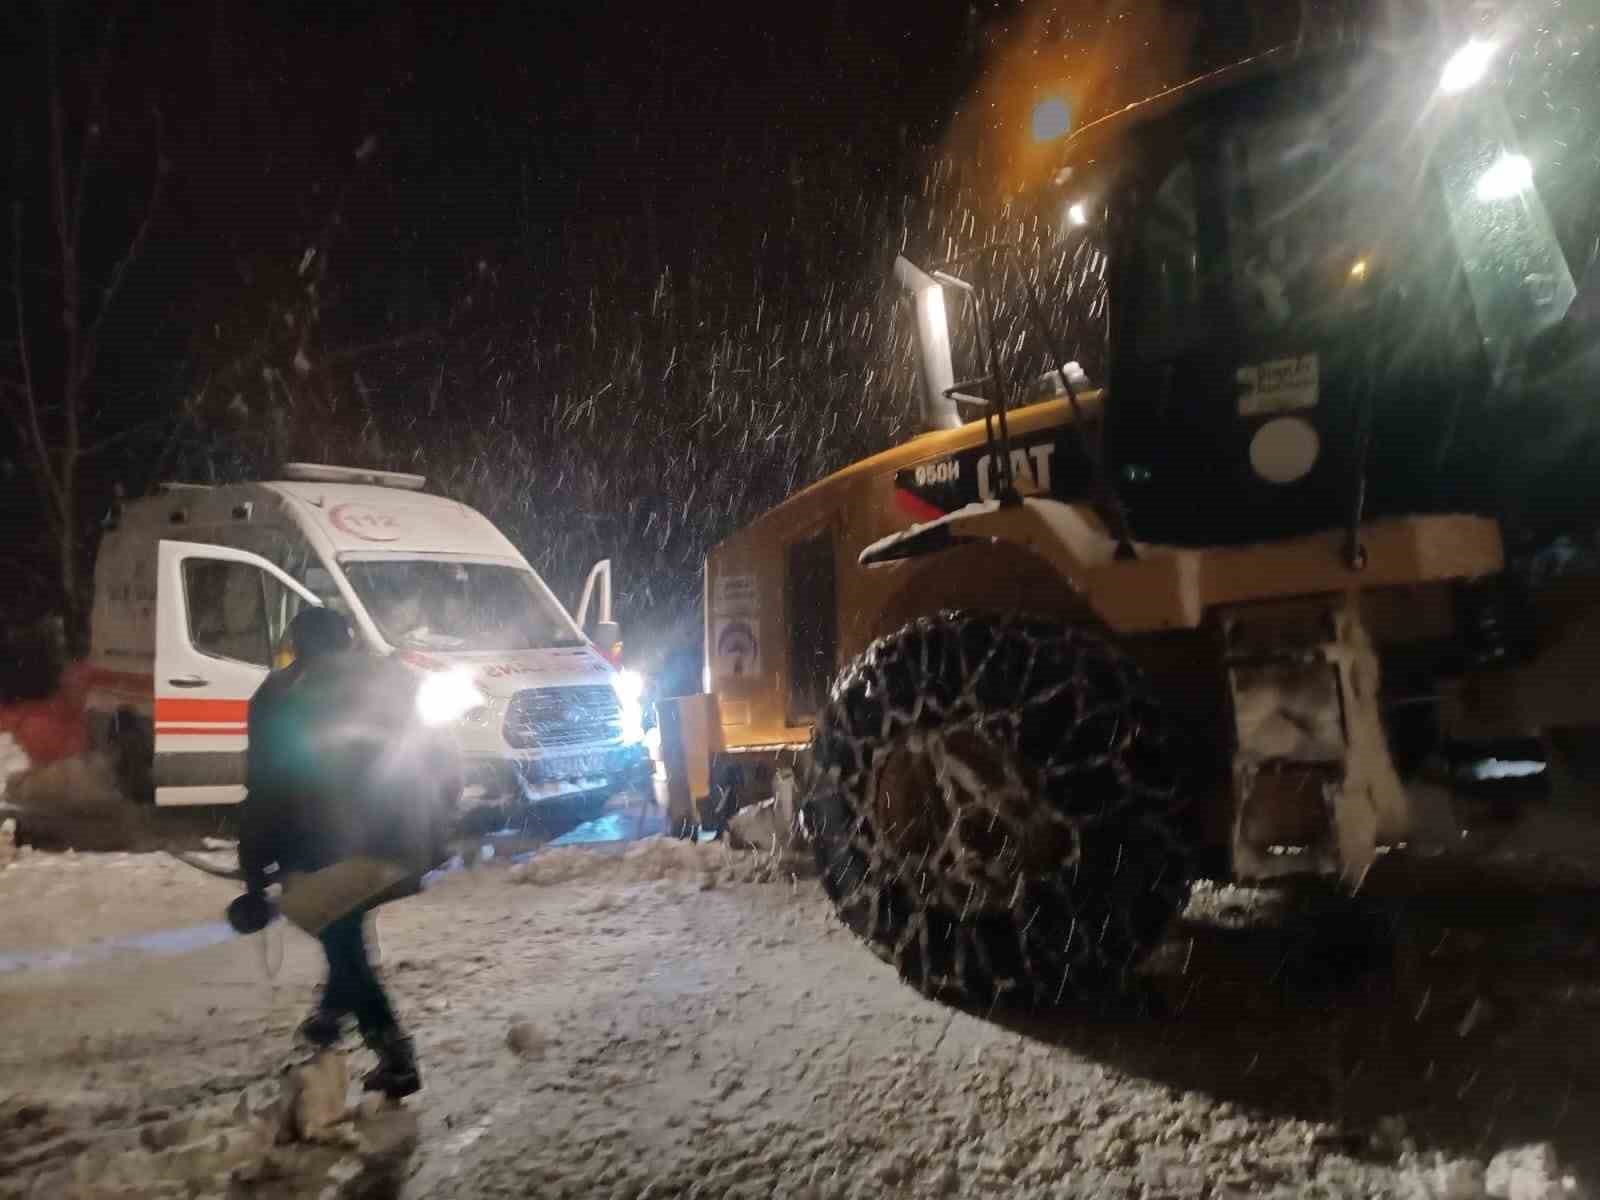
(1051, 119)
(1509, 177)
(629, 687)
(1467, 67)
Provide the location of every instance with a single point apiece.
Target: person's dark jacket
(339, 766)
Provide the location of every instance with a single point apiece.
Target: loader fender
(1170, 587)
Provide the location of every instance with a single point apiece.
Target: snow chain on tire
(997, 809)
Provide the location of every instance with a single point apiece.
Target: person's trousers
(353, 986)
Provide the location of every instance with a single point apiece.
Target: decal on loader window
(736, 640)
(1282, 385)
(738, 652)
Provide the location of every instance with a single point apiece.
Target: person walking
(348, 801)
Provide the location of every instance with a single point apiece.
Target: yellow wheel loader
(1279, 564)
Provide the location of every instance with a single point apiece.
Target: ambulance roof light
(320, 473)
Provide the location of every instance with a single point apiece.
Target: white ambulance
(195, 586)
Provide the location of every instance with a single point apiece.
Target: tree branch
(123, 435)
(32, 431)
(91, 346)
(394, 343)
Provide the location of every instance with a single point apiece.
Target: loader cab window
(810, 600)
(1173, 314)
(236, 611)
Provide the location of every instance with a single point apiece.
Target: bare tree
(59, 307)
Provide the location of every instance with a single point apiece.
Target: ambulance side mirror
(607, 636)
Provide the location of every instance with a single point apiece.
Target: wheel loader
(1274, 559)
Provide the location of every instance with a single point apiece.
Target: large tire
(998, 810)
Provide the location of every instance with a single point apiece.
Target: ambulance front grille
(544, 718)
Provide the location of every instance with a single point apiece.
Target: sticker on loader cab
(367, 523)
(736, 595)
(929, 490)
(738, 649)
(1280, 386)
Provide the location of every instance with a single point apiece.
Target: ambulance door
(220, 617)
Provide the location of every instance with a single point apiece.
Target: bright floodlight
(1467, 67)
(1051, 119)
(447, 696)
(1509, 177)
(629, 687)
(1077, 214)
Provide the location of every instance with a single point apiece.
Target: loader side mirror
(933, 344)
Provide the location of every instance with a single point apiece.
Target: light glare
(1077, 214)
(629, 686)
(1509, 177)
(1467, 67)
(447, 696)
(1051, 119)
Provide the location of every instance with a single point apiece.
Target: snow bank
(652, 860)
(13, 760)
(74, 802)
(1531, 1173)
(80, 785)
(760, 827)
(1521, 1173)
(246, 1143)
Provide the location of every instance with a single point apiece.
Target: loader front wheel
(998, 810)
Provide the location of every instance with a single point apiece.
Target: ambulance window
(810, 599)
(229, 610)
(282, 606)
(319, 581)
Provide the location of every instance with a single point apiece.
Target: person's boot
(396, 1074)
(323, 1028)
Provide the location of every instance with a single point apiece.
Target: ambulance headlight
(629, 686)
(447, 696)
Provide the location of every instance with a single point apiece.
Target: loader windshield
(1278, 225)
(434, 604)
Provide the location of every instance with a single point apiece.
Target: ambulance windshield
(434, 604)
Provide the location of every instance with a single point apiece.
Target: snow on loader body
(195, 588)
(1258, 590)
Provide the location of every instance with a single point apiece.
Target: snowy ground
(677, 1022)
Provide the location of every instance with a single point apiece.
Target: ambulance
(195, 586)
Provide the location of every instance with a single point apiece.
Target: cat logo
(1030, 471)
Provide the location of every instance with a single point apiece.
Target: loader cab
(1293, 332)
(1320, 274)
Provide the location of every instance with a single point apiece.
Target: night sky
(516, 157)
(617, 273)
